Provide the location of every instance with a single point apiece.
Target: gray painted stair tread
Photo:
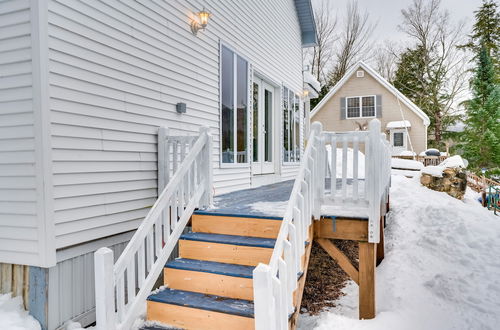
(207, 302)
(230, 239)
(211, 267)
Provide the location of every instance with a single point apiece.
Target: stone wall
(453, 181)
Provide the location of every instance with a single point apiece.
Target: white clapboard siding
(117, 70)
(18, 185)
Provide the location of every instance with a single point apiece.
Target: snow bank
(436, 171)
(407, 153)
(406, 164)
(441, 268)
(350, 157)
(454, 161)
(13, 316)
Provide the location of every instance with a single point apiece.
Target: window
(360, 106)
(398, 139)
(291, 126)
(234, 100)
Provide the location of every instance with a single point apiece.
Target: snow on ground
(350, 158)
(13, 316)
(441, 268)
(276, 209)
(406, 164)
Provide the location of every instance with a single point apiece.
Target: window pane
(368, 106)
(268, 109)
(242, 101)
(296, 127)
(352, 107)
(285, 125)
(398, 139)
(255, 122)
(227, 98)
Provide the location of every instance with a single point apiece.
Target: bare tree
(353, 43)
(445, 66)
(384, 60)
(325, 31)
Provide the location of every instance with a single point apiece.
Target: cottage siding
(329, 113)
(18, 186)
(117, 70)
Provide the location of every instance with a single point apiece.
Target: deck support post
(367, 256)
(380, 245)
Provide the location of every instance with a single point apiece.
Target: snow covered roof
(398, 124)
(311, 80)
(406, 101)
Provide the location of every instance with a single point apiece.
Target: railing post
(207, 199)
(104, 289)
(375, 172)
(264, 311)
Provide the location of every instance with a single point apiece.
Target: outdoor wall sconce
(200, 23)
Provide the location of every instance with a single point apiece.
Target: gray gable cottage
(85, 87)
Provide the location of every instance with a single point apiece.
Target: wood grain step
(233, 224)
(192, 310)
(214, 278)
(230, 249)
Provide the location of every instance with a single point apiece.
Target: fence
(426, 160)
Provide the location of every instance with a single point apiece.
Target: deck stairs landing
(210, 285)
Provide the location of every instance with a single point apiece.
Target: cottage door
(262, 127)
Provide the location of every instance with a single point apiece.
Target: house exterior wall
(25, 235)
(329, 113)
(117, 69)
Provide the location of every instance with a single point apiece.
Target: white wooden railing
(353, 190)
(122, 287)
(274, 284)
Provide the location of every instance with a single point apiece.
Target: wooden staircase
(210, 285)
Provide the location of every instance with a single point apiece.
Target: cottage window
(234, 104)
(291, 126)
(398, 139)
(360, 106)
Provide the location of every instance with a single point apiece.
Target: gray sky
(388, 13)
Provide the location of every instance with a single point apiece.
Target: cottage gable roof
(412, 106)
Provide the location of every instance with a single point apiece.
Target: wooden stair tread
(211, 267)
(207, 302)
(237, 215)
(230, 239)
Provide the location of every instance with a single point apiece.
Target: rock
(453, 181)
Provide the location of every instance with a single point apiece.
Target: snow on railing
(122, 288)
(274, 284)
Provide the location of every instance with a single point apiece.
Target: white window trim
(405, 138)
(361, 106)
(247, 164)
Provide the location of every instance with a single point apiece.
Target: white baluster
(355, 168)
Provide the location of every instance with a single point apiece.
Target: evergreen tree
(482, 133)
(419, 77)
(409, 78)
(486, 32)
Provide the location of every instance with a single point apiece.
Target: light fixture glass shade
(203, 15)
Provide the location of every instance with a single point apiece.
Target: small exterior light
(202, 21)
(305, 93)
